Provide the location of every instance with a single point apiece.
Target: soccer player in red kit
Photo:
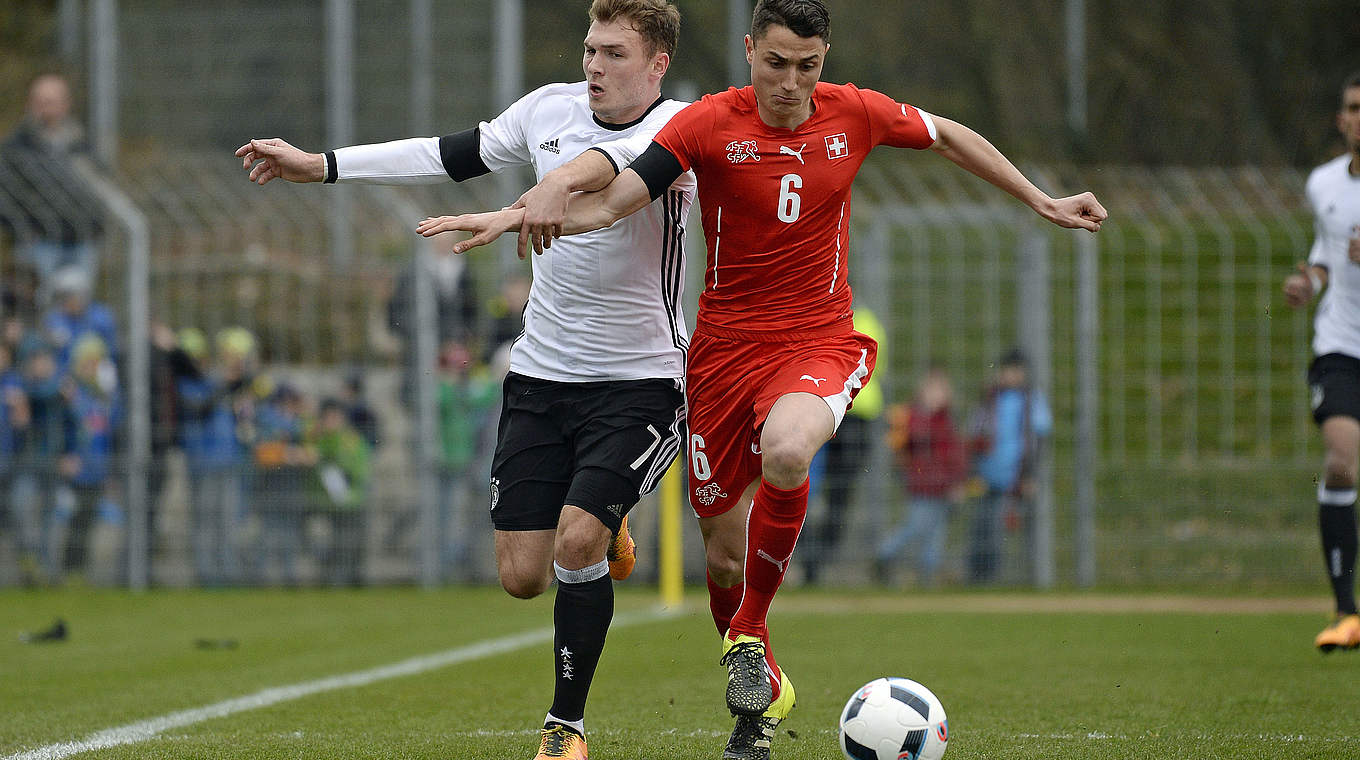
(775, 360)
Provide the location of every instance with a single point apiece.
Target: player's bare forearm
(485, 227)
(545, 204)
(591, 211)
(272, 158)
(974, 153)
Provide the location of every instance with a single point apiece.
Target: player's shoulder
(563, 92)
(732, 100)
(1336, 169)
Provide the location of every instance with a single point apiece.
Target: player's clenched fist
(273, 158)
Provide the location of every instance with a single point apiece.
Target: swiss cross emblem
(740, 150)
(837, 147)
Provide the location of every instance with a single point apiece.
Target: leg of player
(582, 612)
(797, 426)
(1336, 519)
(725, 558)
(524, 561)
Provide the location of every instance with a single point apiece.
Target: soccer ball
(893, 719)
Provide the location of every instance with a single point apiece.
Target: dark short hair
(1015, 357)
(1351, 81)
(805, 18)
(658, 21)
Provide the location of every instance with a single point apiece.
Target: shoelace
(754, 654)
(556, 741)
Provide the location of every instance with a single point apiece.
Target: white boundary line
(141, 731)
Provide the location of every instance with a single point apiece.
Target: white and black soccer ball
(894, 719)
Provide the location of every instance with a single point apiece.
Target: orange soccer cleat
(1343, 633)
(561, 744)
(622, 553)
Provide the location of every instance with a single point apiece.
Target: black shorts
(598, 446)
(1334, 382)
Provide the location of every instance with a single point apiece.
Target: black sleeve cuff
(658, 168)
(331, 172)
(461, 153)
(608, 158)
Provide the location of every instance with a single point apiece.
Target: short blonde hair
(658, 21)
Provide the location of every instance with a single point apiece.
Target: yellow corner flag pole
(670, 552)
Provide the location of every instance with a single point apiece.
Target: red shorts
(730, 386)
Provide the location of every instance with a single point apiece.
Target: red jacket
(929, 450)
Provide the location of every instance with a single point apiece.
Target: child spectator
(930, 454)
(467, 393)
(44, 457)
(92, 393)
(340, 492)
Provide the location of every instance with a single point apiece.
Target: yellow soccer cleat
(559, 742)
(751, 736)
(1343, 633)
(622, 553)
(748, 682)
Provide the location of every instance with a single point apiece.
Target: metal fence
(1198, 470)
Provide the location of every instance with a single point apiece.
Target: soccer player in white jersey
(1334, 377)
(594, 402)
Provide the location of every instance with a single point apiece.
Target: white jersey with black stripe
(1334, 195)
(603, 305)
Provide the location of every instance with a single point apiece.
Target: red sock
(771, 533)
(723, 603)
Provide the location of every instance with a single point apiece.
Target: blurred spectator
(467, 393)
(53, 217)
(74, 314)
(215, 458)
(456, 307)
(845, 458)
(1006, 432)
(279, 484)
(11, 391)
(44, 457)
(931, 457)
(506, 312)
(92, 392)
(360, 415)
(340, 493)
(169, 363)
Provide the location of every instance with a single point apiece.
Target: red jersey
(776, 203)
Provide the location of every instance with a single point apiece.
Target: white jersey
(1334, 194)
(603, 305)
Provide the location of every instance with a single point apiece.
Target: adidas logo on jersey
(550, 146)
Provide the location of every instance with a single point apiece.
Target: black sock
(1337, 522)
(581, 614)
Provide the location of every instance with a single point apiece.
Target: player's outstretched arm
(585, 212)
(545, 204)
(1300, 286)
(973, 152)
(273, 158)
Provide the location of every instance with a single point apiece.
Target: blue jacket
(207, 428)
(1010, 423)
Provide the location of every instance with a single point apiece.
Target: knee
(1340, 471)
(784, 463)
(522, 584)
(725, 567)
(581, 544)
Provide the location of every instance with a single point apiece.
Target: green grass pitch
(1020, 675)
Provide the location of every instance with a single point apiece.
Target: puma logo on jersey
(709, 494)
(781, 564)
(740, 150)
(817, 381)
(550, 146)
(798, 154)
